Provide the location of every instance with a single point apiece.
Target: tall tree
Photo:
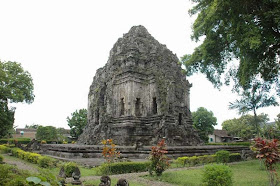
(248, 31)
(77, 122)
(204, 122)
(252, 99)
(15, 86)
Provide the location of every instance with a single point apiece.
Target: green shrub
(247, 144)
(233, 157)
(123, 167)
(12, 140)
(182, 161)
(222, 156)
(34, 157)
(15, 152)
(10, 175)
(1, 159)
(46, 162)
(4, 149)
(206, 159)
(217, 175)
(69, 168)
(194, 160)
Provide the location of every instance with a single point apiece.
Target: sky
(62, 43)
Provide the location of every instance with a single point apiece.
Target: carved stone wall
(139, 96)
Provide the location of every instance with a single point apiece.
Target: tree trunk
(256, 122)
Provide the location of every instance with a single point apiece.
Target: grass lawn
(247, 173)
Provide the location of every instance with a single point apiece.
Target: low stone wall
(95, 151)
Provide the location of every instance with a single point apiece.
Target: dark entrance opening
(154, 105)
(180, 118)
(137, 107)
(97, 116)
(122, 107)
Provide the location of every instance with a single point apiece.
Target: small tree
(110, 153)
(268, 151)
(204, 122)
(159, 161)
(47, 133)
(77, 122)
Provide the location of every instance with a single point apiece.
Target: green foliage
(272, 131)
(123, 167)
(1, 159)
(217, 175)
(46, 133)
(205, 159)
(254, 98)
(15, 86)
(4, 149)
(233, 157)
(37, 181)
(244, 126)
(6, 118)
(204, 122)
(257, 48)
(12, 140)
(247, 144)
(10, 176)
(222, 156)
(46, 162)
(77, 122)
(159, 161)
(69, 168)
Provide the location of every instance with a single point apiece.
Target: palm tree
(257, 96)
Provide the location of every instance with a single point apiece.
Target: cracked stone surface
(140, 96)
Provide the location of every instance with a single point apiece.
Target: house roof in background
(221, 133)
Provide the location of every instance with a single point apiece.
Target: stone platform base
(95, 151)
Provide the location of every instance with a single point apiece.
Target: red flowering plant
(268, 151)
(159, 161)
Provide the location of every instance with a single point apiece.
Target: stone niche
(140, 96)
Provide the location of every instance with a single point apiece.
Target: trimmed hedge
(4, 149)
(12, 140)
(222, 156)
(234, 157)
(122, 167)
(247, 144)
(206, 159)
(42, 161)
(1, 159)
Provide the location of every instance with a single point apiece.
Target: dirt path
(135, 177)
(19, 163)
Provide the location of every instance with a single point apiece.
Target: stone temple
(140, 96)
